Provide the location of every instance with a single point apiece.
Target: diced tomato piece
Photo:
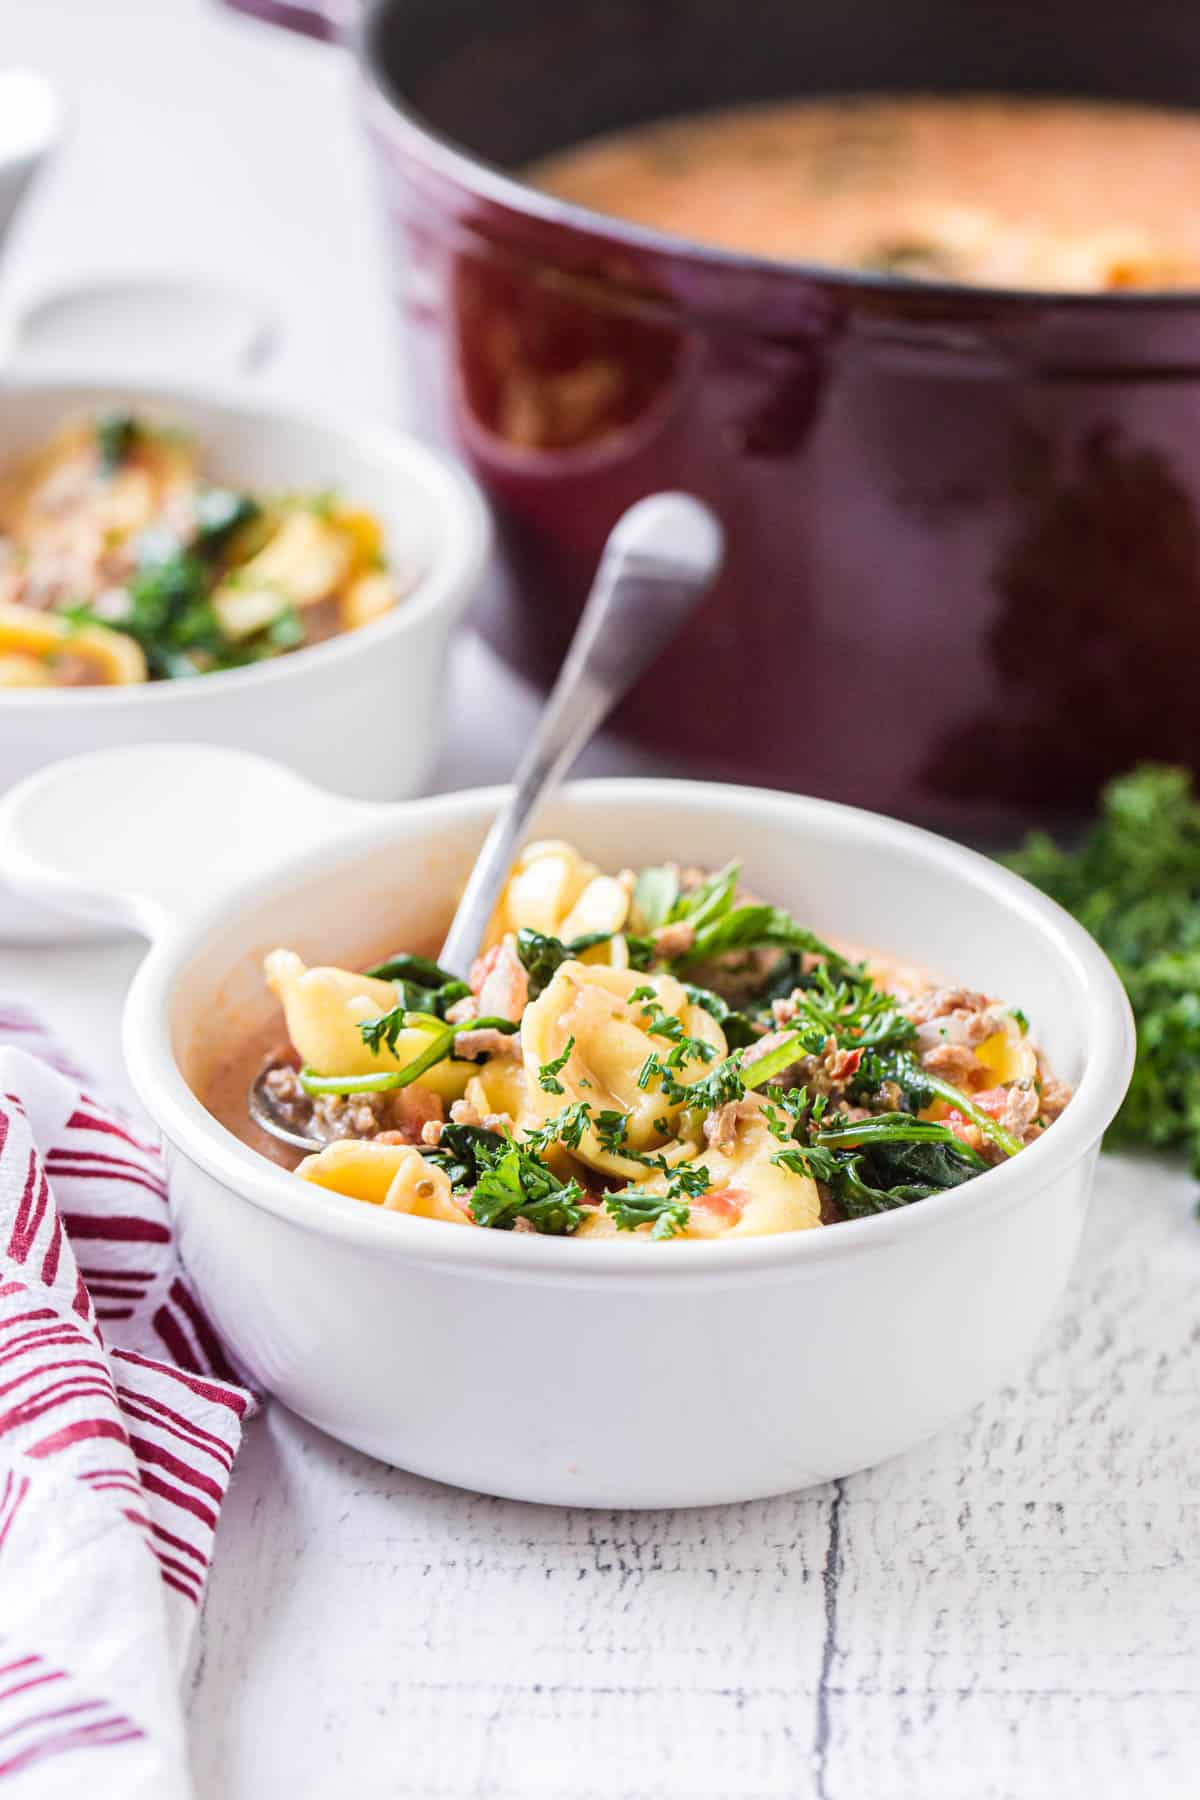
(723, 1203)
(505, 988)
(844, 1063)
(482, 967)
(991, 1100)
(959, 1124)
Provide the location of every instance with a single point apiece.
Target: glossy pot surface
(963, 580)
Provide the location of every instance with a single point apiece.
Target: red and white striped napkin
(119, 1421)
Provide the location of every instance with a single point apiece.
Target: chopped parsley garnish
(669, 1212)
(611, 1128)
(632, 1207)
(505, 1181)
(810, 1160)
(549, 1072)
(657, 1022)
(516, 1185)
(566, 1127)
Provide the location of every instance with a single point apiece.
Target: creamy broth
(1052, 194)
(224, 1085)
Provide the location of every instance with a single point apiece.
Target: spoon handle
(660, 560)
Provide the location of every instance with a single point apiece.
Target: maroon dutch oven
(963, 580)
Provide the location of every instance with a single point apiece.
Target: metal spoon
(661, 558)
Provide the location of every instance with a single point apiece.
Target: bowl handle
(147, 835)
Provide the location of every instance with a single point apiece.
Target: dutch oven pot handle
(329, 20)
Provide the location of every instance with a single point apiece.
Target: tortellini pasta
(554, 890)
(325, 1008)
(585, 1042)
(394, 1176)
(497, 1089)
(557, 1090)
(750, 1194)
(592, 1011)
(34, 643)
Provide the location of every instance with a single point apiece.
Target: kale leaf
(892, 1160)
(116, 435)
(219, 512)
(423, 986)
(541, 956)
(464, 1151)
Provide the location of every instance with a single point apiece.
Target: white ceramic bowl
(361, 713)
(609, 1373)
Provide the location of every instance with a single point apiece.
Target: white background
(1011, 1612)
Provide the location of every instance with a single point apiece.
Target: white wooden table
(1011, 1612)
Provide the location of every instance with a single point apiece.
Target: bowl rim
(1108, 1038)
(445, 585)
(388, 107)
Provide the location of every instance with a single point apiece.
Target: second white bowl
(360, 713)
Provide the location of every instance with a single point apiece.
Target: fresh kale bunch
(1134, 883)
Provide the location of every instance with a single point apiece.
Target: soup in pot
(1000, 192)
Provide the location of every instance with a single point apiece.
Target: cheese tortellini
(33, 645)
(613, 1048)
(751, 1195)
(122, 562)
(324, 1010)
(394, 1176)
(604, 1021)
(644, 1058)
(554, 890)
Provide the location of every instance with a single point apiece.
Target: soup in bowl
(612, 1368)
(651, 1054)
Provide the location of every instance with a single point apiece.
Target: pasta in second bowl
(326, 710)
(612, 1372)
